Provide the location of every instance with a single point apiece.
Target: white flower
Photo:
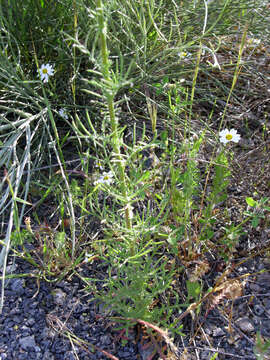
(183, 54)
(87, 257)
(45, 71)
(253, 42)
(229, 135)
(98, 165)
(106, 179)
(63, 114)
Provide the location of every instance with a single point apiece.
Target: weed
(126, 94)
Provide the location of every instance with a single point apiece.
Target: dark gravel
(35, 316)
(34, 312)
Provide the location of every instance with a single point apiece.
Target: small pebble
(264, 280)
(245, 325)
(266, 303)
(254, 287)
(17, 285)
(105, 340)
(258, 309)
(218, 332)
(59, 296)
(27, 342)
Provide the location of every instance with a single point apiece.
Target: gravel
(38, 314)
(32, 312)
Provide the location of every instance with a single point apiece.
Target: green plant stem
(236, 74)
(73, 85)
(110, 93)
(61, 162)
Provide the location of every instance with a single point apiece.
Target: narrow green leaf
(23, 201)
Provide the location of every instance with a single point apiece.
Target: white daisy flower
(62, 112)
(229, 135)
(45, 71)
(106, 179)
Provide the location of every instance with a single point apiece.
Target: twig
(237, 329)
(161, 332)
(234, 356)
(51, 166)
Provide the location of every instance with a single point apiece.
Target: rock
(23, 356)
(266, 303)
(245, 325)
(265, 328)
(105, 340)
(146, 351)
(17, 286)
(264, 279)
(256, 321)
(48, 356)
(11, 268)
(258, 310)
(124, 354)
(218, 332)
(30, 322)
(27, 342)
(16, 319)
(266, 261)
(254, 287)
(206, 355)
(59, 296)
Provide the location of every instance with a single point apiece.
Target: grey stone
(48, 356)
(266, 323)
(265, 331)
(31, 321)
(145, 353)
(266, 302)
(27, 342)
(218, 332)
(254, 287)
(59, 296)
(125, 354)
(17, 286)
(105, 340)
(256, 320)
(11, 268)
(245, 325)
(206, 355)
(16, 319)
(264, 280)
(258, 309)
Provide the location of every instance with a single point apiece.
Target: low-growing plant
(261, 350)
(120, 81)
(133, 215)
(48, 250)
(257, 210)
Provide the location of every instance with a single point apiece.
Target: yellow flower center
(229, 137)
(45, 71)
